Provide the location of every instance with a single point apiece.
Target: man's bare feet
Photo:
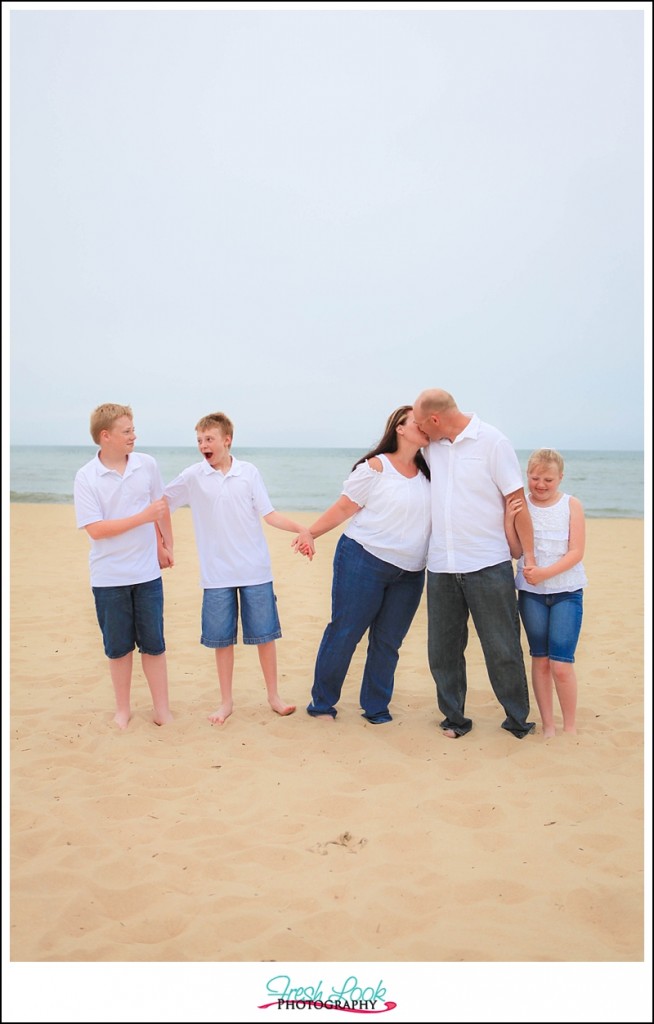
(121, 718)
(221, 714)
(277, 704)
(163, 718)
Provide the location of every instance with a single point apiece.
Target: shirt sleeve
(87, 506)
(176, 492)
(260, 496)
(360, 483)
(506, 468)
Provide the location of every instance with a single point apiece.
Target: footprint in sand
(345, 839)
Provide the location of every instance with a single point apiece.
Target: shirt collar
(234, 469)
(470, 431)
(133, 463)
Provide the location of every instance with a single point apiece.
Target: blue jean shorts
(259, 618)
(131, 616)
(552, 623)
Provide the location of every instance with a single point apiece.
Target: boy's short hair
(104, 417)
(544, 455)
(216, 419)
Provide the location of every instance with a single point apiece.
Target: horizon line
(286, 447)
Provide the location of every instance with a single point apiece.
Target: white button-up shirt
(469, 479)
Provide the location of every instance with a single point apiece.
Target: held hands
(304, 543)
(513, 506)
(166, 560)
(165, 556)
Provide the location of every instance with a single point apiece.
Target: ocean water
(609, 484)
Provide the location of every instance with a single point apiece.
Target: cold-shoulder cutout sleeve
(360, 482)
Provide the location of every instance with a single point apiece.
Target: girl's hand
(513, 506)
(534, 574)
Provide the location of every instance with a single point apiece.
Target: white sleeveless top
(551, 540)
(394, 522)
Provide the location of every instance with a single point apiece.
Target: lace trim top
(551, 541)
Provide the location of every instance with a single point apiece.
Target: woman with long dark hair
(379, 566)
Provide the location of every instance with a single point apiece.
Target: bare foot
(165, 718)
(277, 704)
(571, 731)
(324, 718)
(549, 732)
(121, 718)
(451, 734)
(221, 714)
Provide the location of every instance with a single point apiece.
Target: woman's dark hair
(388, 442)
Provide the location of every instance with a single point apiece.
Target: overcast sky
(305, 217)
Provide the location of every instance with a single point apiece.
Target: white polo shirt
(469, 479)
(227, 510)
(102, 493)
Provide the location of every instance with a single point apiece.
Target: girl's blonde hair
(544, 455)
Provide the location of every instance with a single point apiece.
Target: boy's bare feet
(121, 718)
(277, 704)
(221, 714)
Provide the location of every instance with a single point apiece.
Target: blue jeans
(489, 596)
(552, 623)
(367, 594)
(130, 616)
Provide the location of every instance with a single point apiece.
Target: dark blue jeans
(367, 594)
(131, 616)
(489, 596)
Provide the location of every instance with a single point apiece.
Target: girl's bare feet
(121, 718)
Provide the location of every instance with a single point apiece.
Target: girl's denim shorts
(552, 623)
(259, 618)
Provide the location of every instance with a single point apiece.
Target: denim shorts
(259, 617)
(131, 616)
(552, 623)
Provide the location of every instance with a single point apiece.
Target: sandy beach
(297, 840)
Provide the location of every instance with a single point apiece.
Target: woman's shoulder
(367, 468)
